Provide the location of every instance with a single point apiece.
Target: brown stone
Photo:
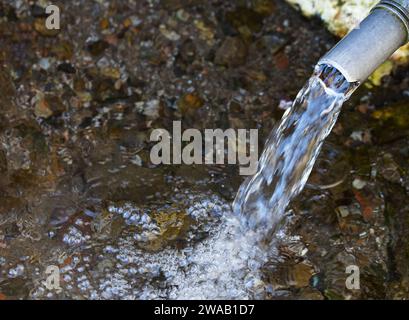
(232, 53)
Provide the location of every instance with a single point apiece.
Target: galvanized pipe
(378, 36)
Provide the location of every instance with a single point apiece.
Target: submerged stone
(264, 7)
(40, 27)
(232, 52)
(96, 48)
(63, 50)
(189, 103)
(48, 105)
(247, 21)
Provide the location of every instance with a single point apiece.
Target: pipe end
(350, 78)
(399, 8)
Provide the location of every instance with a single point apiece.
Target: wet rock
(292, 274)
(340, 17)
(352, 225)
(104, 90)
(7, 89)
(185, 58)
(206, 32)
(232, 52)
(399, 290)
(156, 228)
(389, 169)
(396, 115)
(300, 275)
(343, 211)
(371, 202)
(63, 50)
(362, 136)
(41, 28)
(282, 61)
(246, 21)
(37, 11)
(14, 288)
(182, 15)
(169, 34)
(310, 294)
(48, 105)
(110, 72)
(42, 108)
(8, 11)
(66, 67)
(96, 48)
(3, 162)
(189, 103)
(58, 209)
(106, 225)
(359, 184)
(255, 75)
(187, 52)
(171, 225)
(271, 43)
(335, 276)
(264, 7)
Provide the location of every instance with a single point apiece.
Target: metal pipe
(378, 36)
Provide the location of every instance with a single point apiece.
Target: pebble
(169, 34)
(358, 184)
(232, 52)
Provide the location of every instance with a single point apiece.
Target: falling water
(291, 151)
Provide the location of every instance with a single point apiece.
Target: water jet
(293, 147)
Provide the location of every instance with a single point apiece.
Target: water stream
(227, 264)
(291, 150)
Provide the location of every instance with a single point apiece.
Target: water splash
(291, 151)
